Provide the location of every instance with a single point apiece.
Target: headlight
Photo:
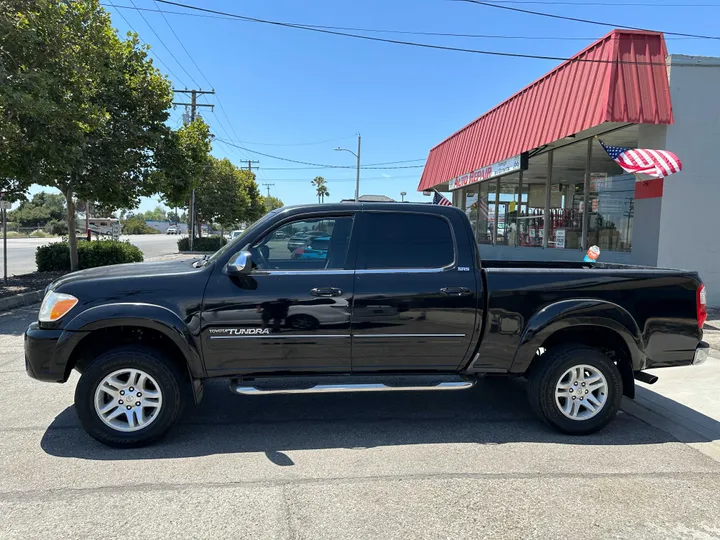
(55, 305)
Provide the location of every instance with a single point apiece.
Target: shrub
(137, 225)
(56, 227)
(38, 234)
(56, 256)
(209, 243)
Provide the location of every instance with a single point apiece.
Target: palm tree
(320, 188)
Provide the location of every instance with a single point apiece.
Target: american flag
(442, 201)
(655, 163)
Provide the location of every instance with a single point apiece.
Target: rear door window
(405, 240)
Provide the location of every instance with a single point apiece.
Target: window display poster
(560, 238)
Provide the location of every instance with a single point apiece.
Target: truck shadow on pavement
(494, 412)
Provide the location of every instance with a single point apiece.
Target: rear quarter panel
(661, 302)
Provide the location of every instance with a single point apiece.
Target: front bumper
(701, 353)
(40, 349)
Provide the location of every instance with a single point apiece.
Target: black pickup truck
(399, 300)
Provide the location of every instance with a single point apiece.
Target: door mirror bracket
(240, 264)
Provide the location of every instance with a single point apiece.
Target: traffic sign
(5, 205)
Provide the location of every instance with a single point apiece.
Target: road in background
(463, 464)
(21, 251)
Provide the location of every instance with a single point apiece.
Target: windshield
(237, 241)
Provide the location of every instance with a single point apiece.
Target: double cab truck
(400, 300)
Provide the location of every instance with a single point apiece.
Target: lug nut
(121, 402)
(139, 394)
(586, 391)
(582, 384)
(581, 398)
(575, 383)
(573, 398)
(137, 403)
(122, 392)
(131, 389)
(129, 407)
(571, 390)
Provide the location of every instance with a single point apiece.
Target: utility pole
(193, 110)
(357, 176)
(268, 186)
(250, 163)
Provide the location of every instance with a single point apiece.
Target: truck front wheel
(575, 388)
(128, 397)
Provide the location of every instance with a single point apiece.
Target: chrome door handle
(455, 291)
(326, 291)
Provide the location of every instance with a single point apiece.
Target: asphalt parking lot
(466, 464)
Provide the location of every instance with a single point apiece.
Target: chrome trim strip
(321, 271)
(405, 335)
(406, 270)
(331, 388)
(276, 336)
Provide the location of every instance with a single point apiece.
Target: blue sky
(283, 88)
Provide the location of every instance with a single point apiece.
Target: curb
(24, 299)
(691, 433)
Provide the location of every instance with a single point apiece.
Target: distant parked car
(172, 229)
(302, 239)
(317, 249)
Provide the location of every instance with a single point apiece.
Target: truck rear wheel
(576, 389)
(128, 397)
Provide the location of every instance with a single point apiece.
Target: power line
(583, 4)
(318, 165)
(166, 47)
(298, 144)
(575, 19)
(182, 45)
(155, 54)
(430, 46)
(418, 33)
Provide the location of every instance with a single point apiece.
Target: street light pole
(357, 175)
(402, 194)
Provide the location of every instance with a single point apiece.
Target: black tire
(153, 363)
(545, 376)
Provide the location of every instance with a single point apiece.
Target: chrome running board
(242, 387)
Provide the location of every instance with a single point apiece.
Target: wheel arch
(596, 323)
(116, 324)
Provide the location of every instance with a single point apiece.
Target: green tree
(228, 195)
(137, 225)
(90, 108)
(272, 203)
(40, 210)
(183, 161)
(320, 188)
(158, 214)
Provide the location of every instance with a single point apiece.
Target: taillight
(701, 297)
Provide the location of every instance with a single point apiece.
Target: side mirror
(240, 264)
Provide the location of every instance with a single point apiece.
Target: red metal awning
(630, 85)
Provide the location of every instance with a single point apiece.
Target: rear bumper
(701, 353)
(40, 348)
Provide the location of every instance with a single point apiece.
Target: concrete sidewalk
(685, 402)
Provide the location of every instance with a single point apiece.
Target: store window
(471, 206)
(567, 195)
(508, 210)
(485, 215)
(611, 204)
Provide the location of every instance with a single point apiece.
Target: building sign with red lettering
(501, 168)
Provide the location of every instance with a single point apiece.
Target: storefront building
(537, 185)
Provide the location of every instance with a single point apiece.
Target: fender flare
(139, 315)
(579, 312)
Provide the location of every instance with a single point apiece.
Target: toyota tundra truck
(401, 300)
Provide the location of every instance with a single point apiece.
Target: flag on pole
(655, 163)
(441, 200)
